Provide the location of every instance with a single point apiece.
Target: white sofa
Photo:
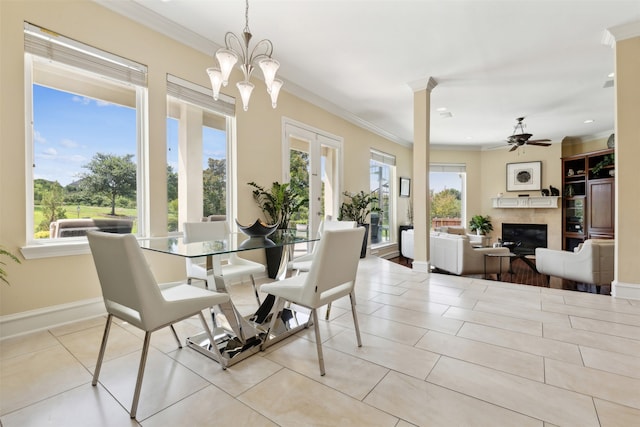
(456, 254)
(590, 263)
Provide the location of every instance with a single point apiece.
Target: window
(447, 184)
(198, 155)
(85, 139)
(381, 176)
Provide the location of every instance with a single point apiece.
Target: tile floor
(438, 351)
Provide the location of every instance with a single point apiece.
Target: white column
(626, 41)
(420, 194)
(190, 164)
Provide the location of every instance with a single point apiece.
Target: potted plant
(357, 208)
(480, 224)
(3, 273)
(607, 160)
(277, 203)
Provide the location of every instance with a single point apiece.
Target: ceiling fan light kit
(236, 50)
(519, 139)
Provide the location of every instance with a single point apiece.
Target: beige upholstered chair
(332, 276)
(590, 263)
(235, 267)
(131, 293)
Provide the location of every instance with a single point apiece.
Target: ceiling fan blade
(539, 142)
(515, 147)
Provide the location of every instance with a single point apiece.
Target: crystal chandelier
(235, 50)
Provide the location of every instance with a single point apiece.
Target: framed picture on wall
(405, 187)
(524, 176)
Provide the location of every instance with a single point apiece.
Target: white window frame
(48, 44)
(454, 168)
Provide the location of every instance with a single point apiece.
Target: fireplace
(523, 239)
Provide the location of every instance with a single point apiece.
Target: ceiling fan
(522, 138)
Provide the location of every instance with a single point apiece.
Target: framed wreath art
(524, 176)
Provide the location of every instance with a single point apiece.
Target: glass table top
(234, 242)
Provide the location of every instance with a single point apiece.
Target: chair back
(129, 289)
(335, 264)
(332, 225)
(204, 231)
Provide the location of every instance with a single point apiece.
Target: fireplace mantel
(544, 202)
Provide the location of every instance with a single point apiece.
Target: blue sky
(438, 181)
(69, 129)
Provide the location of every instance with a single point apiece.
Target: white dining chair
(303, 263)
(131, 293)
(332, 275)
(234, 267)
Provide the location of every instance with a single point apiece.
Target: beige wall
(40, 283)
(486, 177)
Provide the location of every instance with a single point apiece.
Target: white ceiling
(493, 61)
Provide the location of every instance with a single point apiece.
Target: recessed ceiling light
(441, 109)
(610, 75)
(589, 121)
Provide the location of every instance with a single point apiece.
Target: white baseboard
(26, 322)
(14, 325)
(421, 266)
(625, 290)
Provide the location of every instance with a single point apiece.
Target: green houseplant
(356, 208)
(480, 224)
(607, 160)
(12, 257)
(279, 202)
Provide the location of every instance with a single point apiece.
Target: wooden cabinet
(588, 201)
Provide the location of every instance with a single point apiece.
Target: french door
(312, 161)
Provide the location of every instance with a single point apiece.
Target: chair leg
(212, 340)
(175, 334)
(255, 290)
(326, 316)
(103, 346)
(316, 327)
(355, 318)
(143, 362)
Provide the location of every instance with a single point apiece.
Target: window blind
(51, 45)
(379, 156)
(200, 96)
(443, 167)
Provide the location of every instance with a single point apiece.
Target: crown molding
(423, 84)
(620, 32)
(148, 18)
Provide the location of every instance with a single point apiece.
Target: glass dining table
(236, 336)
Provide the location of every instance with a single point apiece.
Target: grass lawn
(87, 212)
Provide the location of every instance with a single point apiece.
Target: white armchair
(457, 255)
(590, 263)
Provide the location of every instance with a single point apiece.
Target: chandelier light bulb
(245, 88)
(227, 59)
(216, 81)
(275, 90)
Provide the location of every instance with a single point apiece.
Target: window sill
(51, 249)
